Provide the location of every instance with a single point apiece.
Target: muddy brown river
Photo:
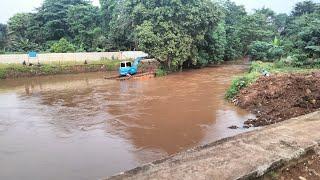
(85, 127)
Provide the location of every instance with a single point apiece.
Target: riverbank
(276, 93)
(258, 153)
(280, 97)
(10, 71)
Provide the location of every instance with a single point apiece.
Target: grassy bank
(19, 70)
(257, 69)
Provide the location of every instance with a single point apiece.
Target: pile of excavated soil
(280, 97)
(307, 168)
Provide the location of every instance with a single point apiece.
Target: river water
(85, 127)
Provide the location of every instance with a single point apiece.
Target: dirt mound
(280, 97)
(307, 167)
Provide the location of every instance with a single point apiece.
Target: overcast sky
(9, 7)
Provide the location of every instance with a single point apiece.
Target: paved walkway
(249, 154)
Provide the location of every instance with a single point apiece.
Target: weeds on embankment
(257, 69)
(19, 70)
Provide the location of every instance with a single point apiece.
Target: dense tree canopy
(3, 37)
(233, 17)
(83, 22)
(179, 33)
(175, 31)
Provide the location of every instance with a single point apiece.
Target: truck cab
(129, 68)
(125, 67)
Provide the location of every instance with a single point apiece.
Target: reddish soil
(306, 168)
(280, 97)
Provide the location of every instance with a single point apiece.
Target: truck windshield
(128, 64)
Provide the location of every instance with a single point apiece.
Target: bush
(203, 58)
(256, 69)
(299, 60)
(259, 66)
(275, 52)
(3, 72)
(240, 83)
(264, 51)
(62, 46)
(161, 72)
(49, 69)
(258, 50)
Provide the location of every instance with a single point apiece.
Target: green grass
(241, 82)
(54, 68)
(255, 71)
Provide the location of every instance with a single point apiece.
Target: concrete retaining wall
(246, 156)
(67, 57)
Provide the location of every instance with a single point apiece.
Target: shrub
(161, 72)
(264, 51)
(259, 66)
(275, 52)
(240, 83)
(299, 60)
(49, 69)
(62, 46)
(3, 73)
(258, 50)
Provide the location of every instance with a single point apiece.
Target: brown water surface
(84, 127)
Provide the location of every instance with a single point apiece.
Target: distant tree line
(179, 33)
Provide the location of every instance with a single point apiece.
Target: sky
(10, 7)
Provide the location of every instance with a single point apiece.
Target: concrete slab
(244, 156)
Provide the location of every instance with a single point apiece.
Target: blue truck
(128, 68)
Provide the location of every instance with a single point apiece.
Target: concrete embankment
(61, 58)
(245, 156)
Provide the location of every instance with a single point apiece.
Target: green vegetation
(18, 70)
(161, 72)
(241, 82)
(257, 69)
(180, 34)
(62, 46)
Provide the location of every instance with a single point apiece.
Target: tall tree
(172, 31)
(303, 32)
(233, 16)
(3, 36)
(54, 14)
(84, 21)
(123, 23)
(280, 22)
(256, 27)
(18, 26)
(305, 7)
(108, 8)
